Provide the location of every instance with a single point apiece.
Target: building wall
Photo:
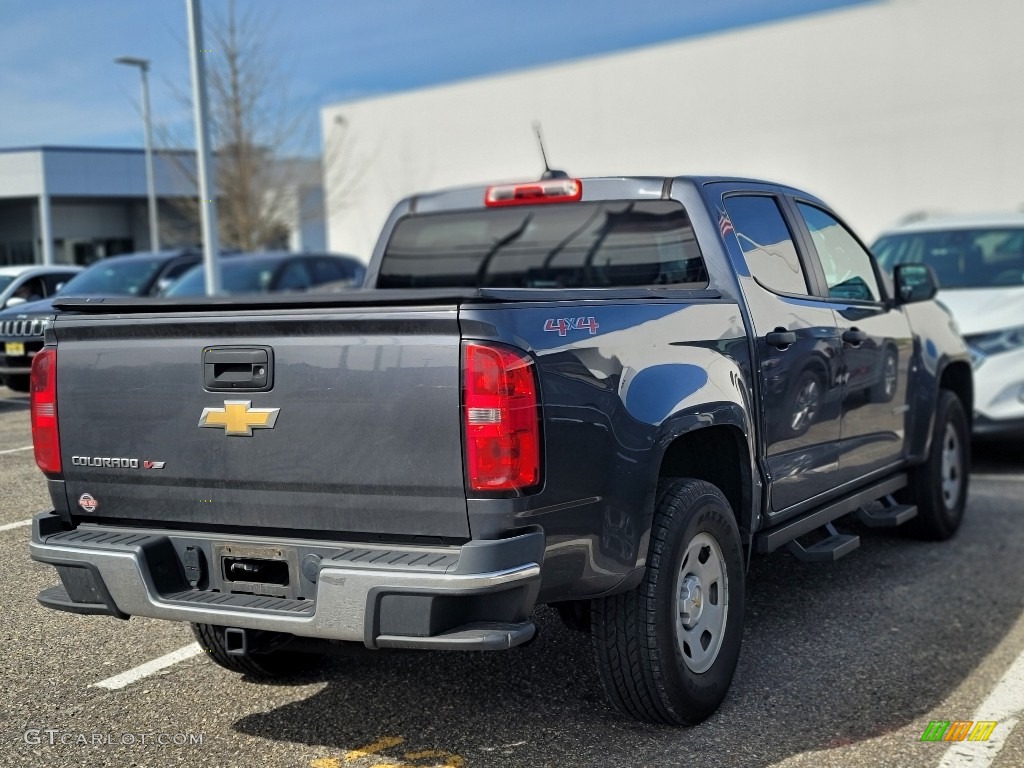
(98, 201)
(883, 109)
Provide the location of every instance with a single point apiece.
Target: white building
(885, 109)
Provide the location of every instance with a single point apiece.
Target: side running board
(832, 545)
(828, 549)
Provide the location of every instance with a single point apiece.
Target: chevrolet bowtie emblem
(238, 418)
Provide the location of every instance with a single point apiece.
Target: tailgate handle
(229, 369)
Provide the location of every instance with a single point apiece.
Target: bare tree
(257, 130)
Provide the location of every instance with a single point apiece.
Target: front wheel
(667, 650)
(939, 486)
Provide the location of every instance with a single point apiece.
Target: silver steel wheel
(702, 603)
(805, 406)
(952, 467)
(889, 377)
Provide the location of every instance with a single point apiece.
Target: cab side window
(766, 243)
(52, 283)
(849, 273)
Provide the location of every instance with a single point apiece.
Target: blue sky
(59, 85)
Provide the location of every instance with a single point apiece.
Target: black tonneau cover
(375, 297)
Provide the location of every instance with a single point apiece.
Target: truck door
(797, 348)
(876, 346)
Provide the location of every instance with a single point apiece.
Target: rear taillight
(501, 419)
(43, 388)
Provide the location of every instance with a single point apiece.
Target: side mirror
(14, 301)
(914, 282)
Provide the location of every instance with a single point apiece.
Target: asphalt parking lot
(842, 665)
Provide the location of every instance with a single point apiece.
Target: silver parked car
(30, 282)
(979, 262)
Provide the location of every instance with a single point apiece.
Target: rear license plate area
(247, 570)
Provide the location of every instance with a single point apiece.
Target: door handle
(226, 369)
(855, 337)
(780, 338)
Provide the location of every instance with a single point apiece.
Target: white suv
(979, 262)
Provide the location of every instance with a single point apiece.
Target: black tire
(18, 383)
(884, 390)
(939, 486)
(267, 662)
(644, 668)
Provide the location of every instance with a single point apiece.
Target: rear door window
(766, 243)
(574, 245)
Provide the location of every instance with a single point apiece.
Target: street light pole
(200, 110)
(154, 222)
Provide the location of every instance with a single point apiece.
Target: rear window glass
(574, 245)
(131, 277)
(235, 277)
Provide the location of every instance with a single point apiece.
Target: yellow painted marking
(385, 742)
(438, 758)
(450, 760)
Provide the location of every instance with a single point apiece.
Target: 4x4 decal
(565, 324)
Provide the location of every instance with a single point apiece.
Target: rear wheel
(266, 660)
(939, 486)
(17, 383)
(667, 650)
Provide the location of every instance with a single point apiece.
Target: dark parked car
(274, 271)
(134, 274)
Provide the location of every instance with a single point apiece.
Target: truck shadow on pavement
(832, 655)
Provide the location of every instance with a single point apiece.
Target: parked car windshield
(571, 245)
(235, 277)
(5, 281)
(961, 258)
(114, 278)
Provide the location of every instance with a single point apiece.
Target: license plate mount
(257, 570)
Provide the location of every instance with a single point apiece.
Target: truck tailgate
(367, 438)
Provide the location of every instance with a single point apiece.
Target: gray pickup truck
(602, 394)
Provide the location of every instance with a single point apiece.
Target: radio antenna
(549, 173)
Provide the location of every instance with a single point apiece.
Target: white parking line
(12, 526)
(16, 450)
(1004, 705)
(147, 669)
(1006, 478)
